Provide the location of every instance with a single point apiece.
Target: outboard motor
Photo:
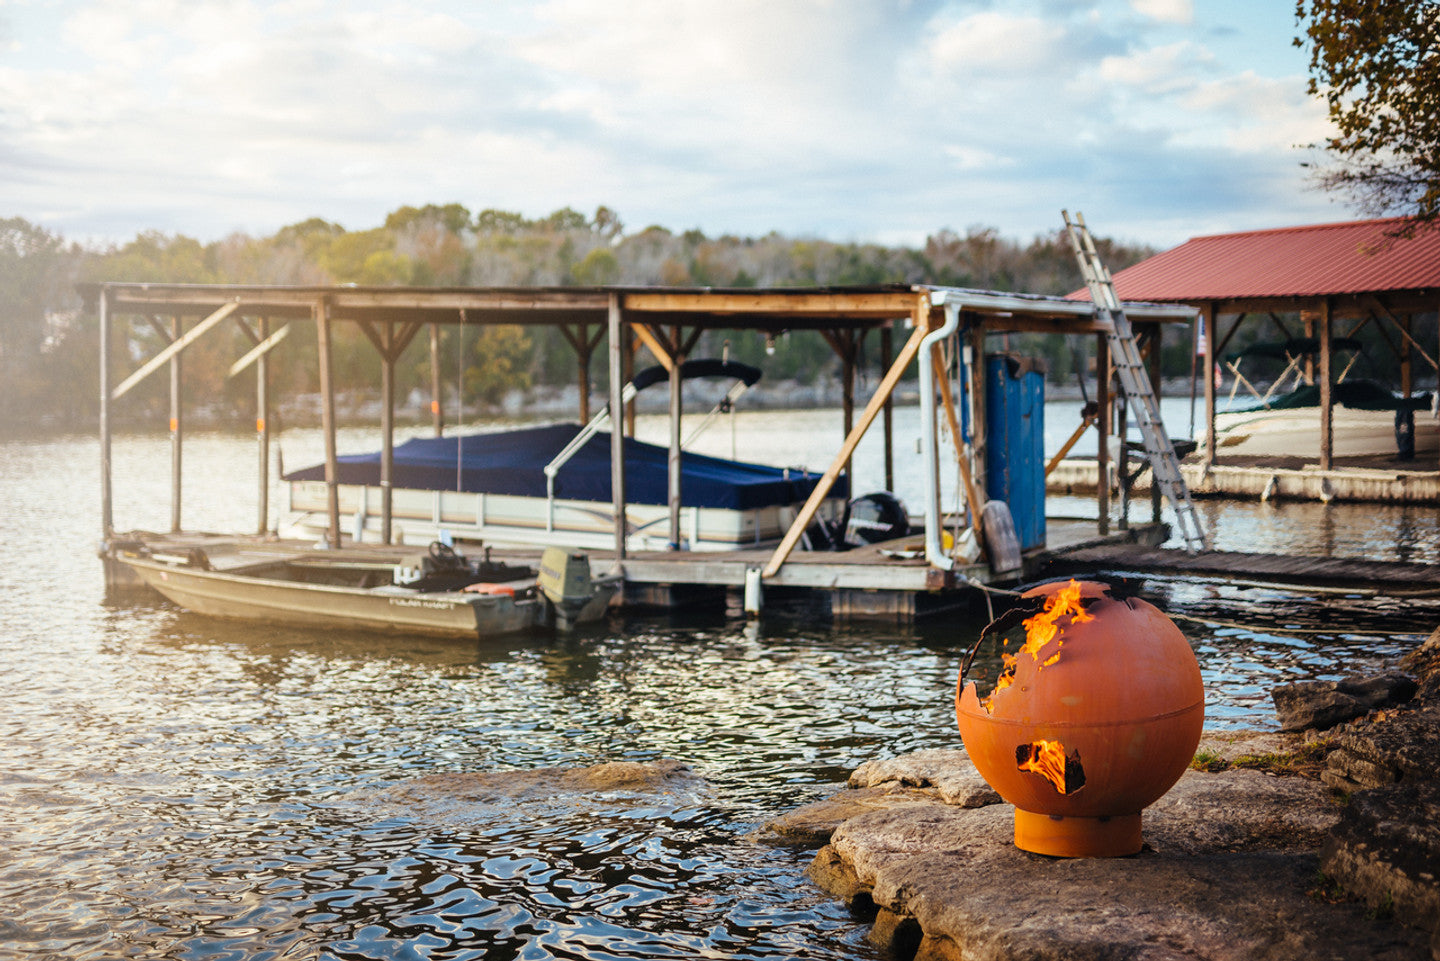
(875, 517)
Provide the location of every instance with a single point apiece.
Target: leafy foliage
(1377, 65)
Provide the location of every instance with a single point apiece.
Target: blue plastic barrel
(1015, 441)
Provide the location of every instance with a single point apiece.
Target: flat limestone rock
(813, 824)
(921, 778)
(1225, 875)
(950, 772)
(559, 790)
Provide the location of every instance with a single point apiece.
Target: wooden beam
(868, 304)
(887, 347)
(176, 346)
(1404, 332)
(259, 351)
(827, 481)
(1275, 319)
(972, 493)
(1224, 341)
(652, 340)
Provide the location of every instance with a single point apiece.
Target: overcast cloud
(848, 119)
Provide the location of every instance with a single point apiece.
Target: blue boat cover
(513, 462)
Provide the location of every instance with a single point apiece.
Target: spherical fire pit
(1095, 718)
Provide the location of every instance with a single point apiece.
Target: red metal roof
(1321, 260)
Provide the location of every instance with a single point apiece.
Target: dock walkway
(1385, 576)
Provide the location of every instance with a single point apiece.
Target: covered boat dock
(943, 333)
(1319, 287)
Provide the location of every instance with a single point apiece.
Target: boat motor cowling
(876, 517)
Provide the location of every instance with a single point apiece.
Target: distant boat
(1367, 420)
(438, 594)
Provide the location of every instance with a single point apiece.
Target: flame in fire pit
(1048, 759)
(1041, 630)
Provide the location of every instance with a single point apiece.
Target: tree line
(49, 341)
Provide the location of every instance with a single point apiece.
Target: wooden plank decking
(1388, 576)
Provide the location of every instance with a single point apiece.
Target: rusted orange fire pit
(1096, 717)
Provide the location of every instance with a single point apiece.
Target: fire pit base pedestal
(1077, 837)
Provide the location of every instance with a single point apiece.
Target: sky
(849, 120)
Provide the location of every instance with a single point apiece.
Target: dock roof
(1343, 260)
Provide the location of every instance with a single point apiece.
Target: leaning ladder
(1125, 355)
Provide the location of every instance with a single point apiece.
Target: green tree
(1376, 63)
(500, 362)
(597, 268)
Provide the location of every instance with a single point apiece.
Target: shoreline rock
(1230, 870)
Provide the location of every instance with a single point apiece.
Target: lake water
(177, 787)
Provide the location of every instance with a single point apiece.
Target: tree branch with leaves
(1376, 64)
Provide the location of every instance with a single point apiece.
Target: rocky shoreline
(1322, 842)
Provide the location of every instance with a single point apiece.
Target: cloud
(853, 119)
(1167, 11)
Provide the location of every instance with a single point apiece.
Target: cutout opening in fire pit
(1049, 760)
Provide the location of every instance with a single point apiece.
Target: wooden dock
(1390, 577)
(1371, 480)
(890, 581)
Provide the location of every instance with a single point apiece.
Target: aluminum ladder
(1125, 356)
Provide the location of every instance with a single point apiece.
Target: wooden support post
(1327, 395)
(262, 428)
(619, 348)
(1102, 432)
(176, 432)
(972, 493)
(887, 347)
(582, 362)
(847, 389)
(827, 480)
(437, 416)
(321, 312)
(107, 516)
(1209, 318)
(1122, 458)
(673, 462)
(387, 430)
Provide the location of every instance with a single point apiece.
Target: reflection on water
(175, 786)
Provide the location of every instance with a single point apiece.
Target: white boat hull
(509, 520)
(1296, 433)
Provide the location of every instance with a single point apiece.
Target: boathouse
(1308, 293)
(944, 335)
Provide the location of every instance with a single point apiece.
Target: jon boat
(552, 485)
(439, 594)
